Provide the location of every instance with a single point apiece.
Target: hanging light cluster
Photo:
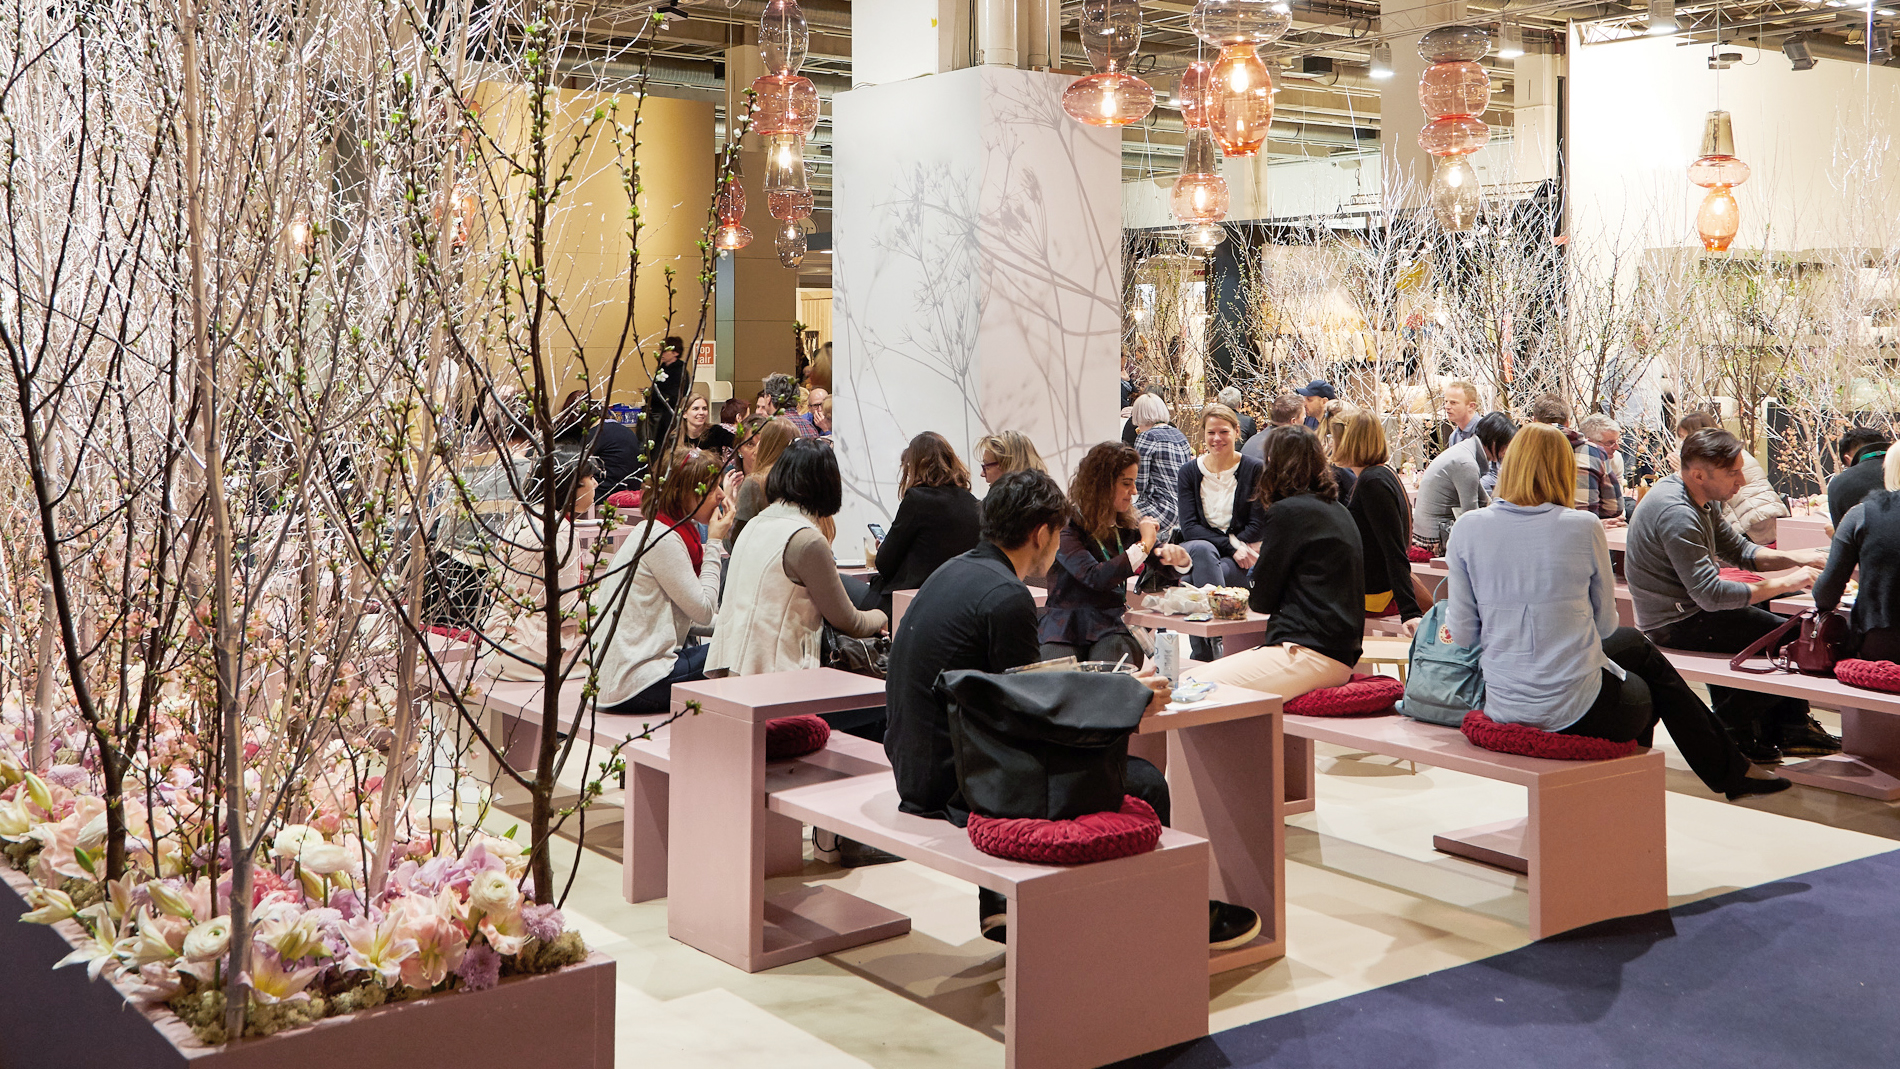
(1454, 91)
(1718, 171)
(786, 113)
(1110, 32)
(1200, 193)
(1240, 94)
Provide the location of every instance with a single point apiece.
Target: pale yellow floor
(1370, 903)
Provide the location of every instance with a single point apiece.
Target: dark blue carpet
(1801, 972)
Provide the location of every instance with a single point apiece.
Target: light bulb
(1111, 104)
(731, 236)
(790, 244)
(1718, 220)
(1455, 193)
(785, 162)
(1200, 193)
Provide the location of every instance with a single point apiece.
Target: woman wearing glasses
(1007, 451)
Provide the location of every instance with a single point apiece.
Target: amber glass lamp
(1241, 94)
(1719, 218)
(1454, 91)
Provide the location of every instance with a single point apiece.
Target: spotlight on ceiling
(1798, 54)
(1381, 60)
(1510, 40)
(1720, 60)
(1880, 45)
(1662, 18)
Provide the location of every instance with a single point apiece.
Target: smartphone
(877, 532)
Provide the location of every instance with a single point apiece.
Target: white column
(1534, 117)
(976, 275)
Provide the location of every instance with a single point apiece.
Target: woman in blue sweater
(1531, 585)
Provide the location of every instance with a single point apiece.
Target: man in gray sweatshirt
(1678, 542)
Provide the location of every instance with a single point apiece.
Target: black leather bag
(1042, 745)
(859, 656)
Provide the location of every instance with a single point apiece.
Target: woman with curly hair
(937, 518)
(1102, 547)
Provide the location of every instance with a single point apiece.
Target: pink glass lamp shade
(1455, 193)
(787, 104)
(729, 206)
(1711, 171)
(1243, 101)
(1195, 95)
(1718, 219)
(1454, 89)
(1200, 199)
(1454, 135)
(784, 37)
(790, 243)
(1239, 22)
(1111, 98)
(789, 205)
(731, 236)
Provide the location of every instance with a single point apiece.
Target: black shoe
(996, 928)
(1808, 740)
(856, 855)
(1759, 752)
(1749, 786)
(1230, 926)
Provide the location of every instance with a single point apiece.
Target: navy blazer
(1249, 518)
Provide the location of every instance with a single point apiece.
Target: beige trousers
(1286, 670)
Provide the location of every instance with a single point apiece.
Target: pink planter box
(63, 1019)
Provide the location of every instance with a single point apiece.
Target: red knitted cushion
(1739, 575)
(1536, 742)
(1095, 837)
(459, 634)
(624, 499)
(1418, 554)
(1364, 694)
(1872, 675)
(795, 736)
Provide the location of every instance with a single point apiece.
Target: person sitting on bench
(1678, 541)
(1530, 585)
(1869, 539)
(975, 612)
(1454, 483)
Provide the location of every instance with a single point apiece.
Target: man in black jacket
(1863, 451)
(976, 613)
(665, 398)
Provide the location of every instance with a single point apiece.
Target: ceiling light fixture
(1662, 18)
(1510, 40)
(1381, 60)
(1798, 54)
(1880, 45)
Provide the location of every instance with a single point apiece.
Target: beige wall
(588, 254)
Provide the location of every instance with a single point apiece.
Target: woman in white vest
(782, 584)
(518, 620)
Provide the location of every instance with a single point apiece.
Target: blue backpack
(1443, 681)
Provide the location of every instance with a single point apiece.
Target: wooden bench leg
(644, 834)
(1105, 971)
(784, 840)
(1301, 775)
(1593, 849)
(1869, 765)
(1223, 789)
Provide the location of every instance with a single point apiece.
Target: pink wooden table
(1803, 531)
(1235, 635)
(1221, 761)
(717, 803)
(901, 599)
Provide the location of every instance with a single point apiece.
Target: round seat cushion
(1361, 696)
(1418, 554)
(795, 736)
(1095, 837)
(624, 499)
(459, 634)
(1536, 742)
(1869, 675)
(1739, 575)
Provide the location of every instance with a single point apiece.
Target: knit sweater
(1674, 555)
(1449, 488)
(642, 611)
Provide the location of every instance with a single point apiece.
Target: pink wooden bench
(1593, 844)
(1105, 961)
(1869, 765)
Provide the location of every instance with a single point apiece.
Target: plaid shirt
(1597, 489)
(1164, 451)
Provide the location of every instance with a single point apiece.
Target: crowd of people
(734, 570)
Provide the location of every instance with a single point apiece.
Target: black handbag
(1042, 745)
(859, 656)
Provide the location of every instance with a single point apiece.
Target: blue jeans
(689, 665)
(1212, 569)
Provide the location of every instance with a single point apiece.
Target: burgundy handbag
(1819, 639)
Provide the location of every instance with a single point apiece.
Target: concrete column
(757, 299)
(1406, 166)
(1534, 119)
(976, 274)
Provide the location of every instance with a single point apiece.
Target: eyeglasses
(988, 464)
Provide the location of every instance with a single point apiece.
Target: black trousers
(1880, 644)
(1142, 780)
(1747, 714)
(1627, 710)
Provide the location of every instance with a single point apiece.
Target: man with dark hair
(975, 613)
(1598, 492)
(1316, 394)
(1678, 543)
(1454, 483)
(1863, 451)
(1285, 411)
(665, 400)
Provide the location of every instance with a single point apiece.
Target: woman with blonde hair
(776, 433)
(1530, 586)
(1869, 539)
(1220, 521)
(1006, 451)
(1384, 516)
